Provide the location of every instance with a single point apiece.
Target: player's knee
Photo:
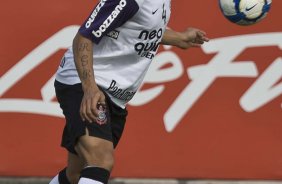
(102, 158)
(107, 161)
(97, 154)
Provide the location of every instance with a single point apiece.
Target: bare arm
(83, 57)
(191, 37)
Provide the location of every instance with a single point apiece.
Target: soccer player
(101, 72)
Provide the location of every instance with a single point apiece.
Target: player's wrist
(89, 85)
(178, 39)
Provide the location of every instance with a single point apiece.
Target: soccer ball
(245, 12)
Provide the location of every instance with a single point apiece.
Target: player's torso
(140, 36)
(122, 57)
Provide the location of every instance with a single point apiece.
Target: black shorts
(69, 98)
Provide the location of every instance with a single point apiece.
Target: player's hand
(88, 109)
(192, 37)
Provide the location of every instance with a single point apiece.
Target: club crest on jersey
(102, 114)
(113, 34)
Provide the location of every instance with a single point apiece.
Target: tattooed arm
(83, 57)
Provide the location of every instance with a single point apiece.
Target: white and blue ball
(245, 12)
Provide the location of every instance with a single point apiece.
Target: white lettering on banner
(222, 65)
(60, 40)
(265, 88)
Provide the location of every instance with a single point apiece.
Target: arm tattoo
(85, 74)
(83, 47)
(84, 60)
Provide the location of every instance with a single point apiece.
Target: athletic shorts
(69, 98)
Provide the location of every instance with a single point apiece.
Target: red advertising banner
(209, 112)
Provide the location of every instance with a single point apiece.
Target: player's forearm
(171, 37)
(83, 57)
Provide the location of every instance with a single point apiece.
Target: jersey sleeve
(107, 16)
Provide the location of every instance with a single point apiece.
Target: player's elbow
(81, 44)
